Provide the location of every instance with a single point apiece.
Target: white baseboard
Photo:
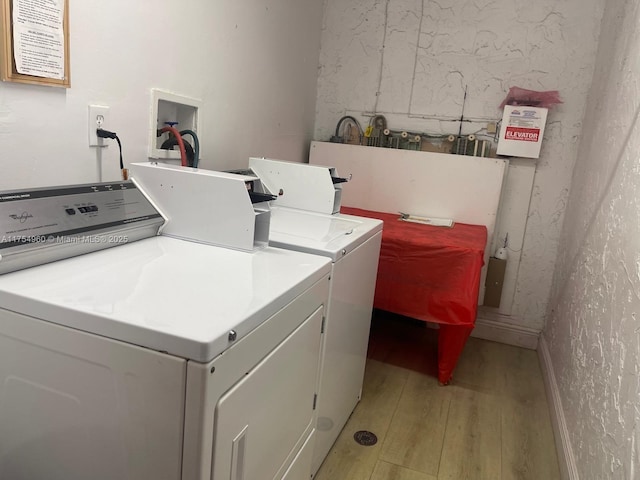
(506, 333)
(566, 460)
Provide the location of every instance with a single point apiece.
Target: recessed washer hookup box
(521, 131)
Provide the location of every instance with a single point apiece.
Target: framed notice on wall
(34, 43)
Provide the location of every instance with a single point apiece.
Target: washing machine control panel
(90, 217)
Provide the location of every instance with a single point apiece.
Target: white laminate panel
(463, 188)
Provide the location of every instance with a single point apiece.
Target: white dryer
(310, 222)
(154, 359)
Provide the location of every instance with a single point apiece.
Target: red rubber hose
(176, 133)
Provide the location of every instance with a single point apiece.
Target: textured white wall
(252, 63)
(593, 331)
(432, 49)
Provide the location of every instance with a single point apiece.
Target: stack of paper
(438, 222)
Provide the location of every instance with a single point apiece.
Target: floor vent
(363, 437)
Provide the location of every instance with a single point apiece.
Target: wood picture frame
(8, 70)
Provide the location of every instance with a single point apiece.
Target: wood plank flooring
(491, 423)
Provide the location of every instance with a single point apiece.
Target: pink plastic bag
(531, 98)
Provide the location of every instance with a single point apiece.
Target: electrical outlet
(98, 118)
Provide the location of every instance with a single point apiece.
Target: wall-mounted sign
(521, 131)
(35, 42)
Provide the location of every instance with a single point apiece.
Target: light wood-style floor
(491, 423)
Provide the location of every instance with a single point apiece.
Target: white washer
(353, 245)
(159, 359)
(306, 218)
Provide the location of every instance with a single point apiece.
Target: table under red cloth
(432, 274)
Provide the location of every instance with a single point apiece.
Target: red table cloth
(433, 274)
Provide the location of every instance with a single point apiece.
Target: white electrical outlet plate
(98, 118)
